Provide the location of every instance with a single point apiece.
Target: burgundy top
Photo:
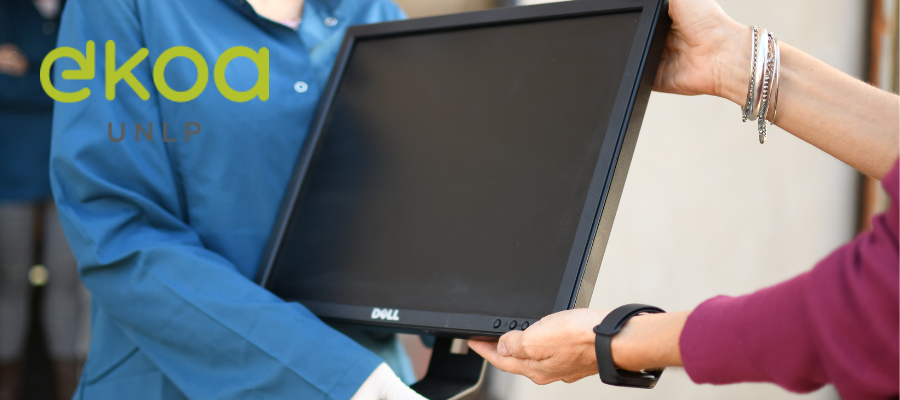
(837, 323)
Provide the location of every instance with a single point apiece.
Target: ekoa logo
(386, 314)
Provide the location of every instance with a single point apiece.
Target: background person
(837, 323)
(28, 219)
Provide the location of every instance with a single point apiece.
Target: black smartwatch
(609, 327)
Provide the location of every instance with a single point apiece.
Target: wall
(707, 210)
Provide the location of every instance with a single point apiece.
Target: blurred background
(44, 316)
(706, 210)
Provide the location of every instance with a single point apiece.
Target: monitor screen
(454, 166)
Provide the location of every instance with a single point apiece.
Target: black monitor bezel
(606, 186)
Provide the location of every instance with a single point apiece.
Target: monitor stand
(451, 376)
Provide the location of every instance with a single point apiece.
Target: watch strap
(609, 327)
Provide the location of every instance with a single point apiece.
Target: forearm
(649, 342)
(843, 116)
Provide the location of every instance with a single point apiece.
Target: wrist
(586, 338)
(733, 63)
(649, 341)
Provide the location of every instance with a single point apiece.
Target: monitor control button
(497, 323)
(524, 325)
(512, 324)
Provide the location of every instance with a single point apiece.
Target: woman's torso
(232, 174)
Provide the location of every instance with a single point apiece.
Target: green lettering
(261, 88)
(113, 75)
(85, 62)
(160, 79)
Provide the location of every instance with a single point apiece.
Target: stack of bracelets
(765, 65)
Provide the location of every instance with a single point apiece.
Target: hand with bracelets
(708, 53)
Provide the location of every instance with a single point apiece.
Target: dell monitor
(463, 172)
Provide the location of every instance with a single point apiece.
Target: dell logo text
(386, 314)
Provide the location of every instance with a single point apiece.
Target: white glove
(383, 384)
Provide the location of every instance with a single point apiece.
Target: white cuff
(383, 384)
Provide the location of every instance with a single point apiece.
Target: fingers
(526, 367)
(509, 347)
(489, 352)
(509, 363)
(482, 348)
(558, 347)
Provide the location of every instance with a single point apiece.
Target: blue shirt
(168, 235)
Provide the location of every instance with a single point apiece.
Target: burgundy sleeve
(837, 323)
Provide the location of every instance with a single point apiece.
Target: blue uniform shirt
(168, 234)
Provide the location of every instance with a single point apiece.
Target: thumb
(511, 345)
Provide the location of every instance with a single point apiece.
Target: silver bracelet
(766, 87)
(776, 79)
(769, 82)
(765, 68)
(761, 58)
(754, 45)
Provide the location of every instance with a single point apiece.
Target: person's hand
(12, 60)
(383, 384)
(704, 51)
(559, 347)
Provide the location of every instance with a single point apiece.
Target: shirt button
(301, 87)
(48, 28)
(331, 21)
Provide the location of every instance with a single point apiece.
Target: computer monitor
(462, 173)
